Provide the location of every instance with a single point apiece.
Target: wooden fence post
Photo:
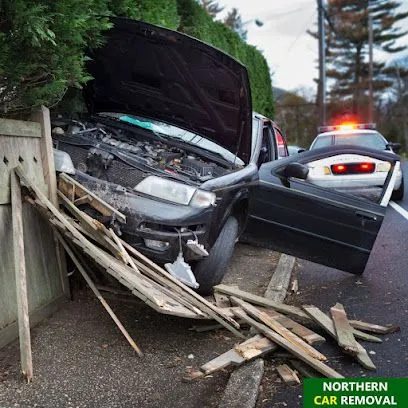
(21, 278)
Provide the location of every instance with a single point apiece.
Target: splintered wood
(277, 331)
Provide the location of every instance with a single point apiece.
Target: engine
(114, 155)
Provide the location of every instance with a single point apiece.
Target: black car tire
(210, 271)
(398, 195)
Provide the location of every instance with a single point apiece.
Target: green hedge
(43, 44)
(195, 21)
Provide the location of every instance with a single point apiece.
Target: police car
(350, 171)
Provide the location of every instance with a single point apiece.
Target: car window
(322, 141)
(372, 140)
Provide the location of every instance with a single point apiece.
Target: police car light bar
(346, 126)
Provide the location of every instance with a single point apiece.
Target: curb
(243, 385)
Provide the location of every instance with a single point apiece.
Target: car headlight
(175, 192)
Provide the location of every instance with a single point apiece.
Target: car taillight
(339, 168)
(353, 168)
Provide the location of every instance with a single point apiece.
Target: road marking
(399, 209)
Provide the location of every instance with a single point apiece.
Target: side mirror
(296, 170)
(396, 147)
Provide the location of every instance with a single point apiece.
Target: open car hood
(161, 74)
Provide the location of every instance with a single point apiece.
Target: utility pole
(322, 64)
(370, 69)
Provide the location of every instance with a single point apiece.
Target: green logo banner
(355, 392)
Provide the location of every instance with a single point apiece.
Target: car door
(291, 215)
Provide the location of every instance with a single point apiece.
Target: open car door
(291, 214)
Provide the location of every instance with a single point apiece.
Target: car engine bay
(125, 157)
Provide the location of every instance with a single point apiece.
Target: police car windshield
(371, 140)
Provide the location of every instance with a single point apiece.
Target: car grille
(117, 172)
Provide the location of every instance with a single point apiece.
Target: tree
(211, 7)
(233, 21)
(347, 46)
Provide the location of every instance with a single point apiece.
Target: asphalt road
(378, 296)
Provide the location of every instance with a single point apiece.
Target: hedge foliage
(43, 45)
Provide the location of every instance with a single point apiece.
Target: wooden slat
(292, 348)
(21, 279)
(374, 328)
(327, 324)
(344, 331)
(305, 333)
(248, 350)
(98, 294)
(278, 328)
(261, 301)
(287, 374)
(19, 128)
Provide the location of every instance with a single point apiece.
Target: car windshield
(371, 140)
(164, 129)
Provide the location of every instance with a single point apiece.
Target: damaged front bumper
(156, 228)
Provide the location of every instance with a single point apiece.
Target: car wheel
(398, 195)
(210, 271)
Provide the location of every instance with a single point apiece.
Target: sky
(291, 53)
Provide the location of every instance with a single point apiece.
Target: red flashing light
(347, 126)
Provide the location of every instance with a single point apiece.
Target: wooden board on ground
(254, 347)
(344, 331)
(373, 328)
(261, 301)
(327, 324)
(292, 348)
(278, 328)
(287, 374)
(304, 332)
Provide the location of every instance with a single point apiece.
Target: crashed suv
(171, 142)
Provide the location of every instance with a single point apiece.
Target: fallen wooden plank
(292, 348)
(278, 328)
(373, 328)
(21, 279)
(304, 332)
(287, 374)
(327, 324)
(261, 301)
(365, 336)
(344, 332)
(98, 294)
(254, 347)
